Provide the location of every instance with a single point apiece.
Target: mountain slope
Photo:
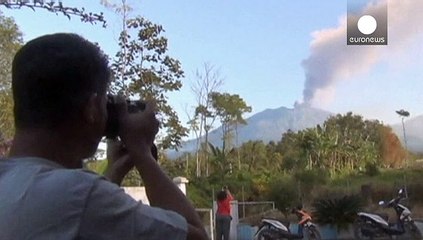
(268, 125)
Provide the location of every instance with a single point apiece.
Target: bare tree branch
(57, 8)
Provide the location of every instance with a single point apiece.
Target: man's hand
(137, 130)
(118, 161)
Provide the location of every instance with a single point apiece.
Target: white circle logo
(367, 24)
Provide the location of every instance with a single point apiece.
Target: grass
(392, 177)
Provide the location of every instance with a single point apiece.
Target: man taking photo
(59, 85)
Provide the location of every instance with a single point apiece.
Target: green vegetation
(10, 42)
(334, 159)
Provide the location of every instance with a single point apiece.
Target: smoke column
(332, 61)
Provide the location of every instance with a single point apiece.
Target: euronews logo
(367, 23)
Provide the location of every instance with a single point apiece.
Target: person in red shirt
(223, 214)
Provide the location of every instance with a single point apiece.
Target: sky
(273, 53)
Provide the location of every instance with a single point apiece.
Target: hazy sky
(264, 48)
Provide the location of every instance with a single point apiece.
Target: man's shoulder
(74, 175)
(38, 187)
(45, 174)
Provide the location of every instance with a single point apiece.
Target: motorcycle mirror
(381, 203)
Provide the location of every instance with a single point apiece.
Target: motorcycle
(370, 225)
(271, 229)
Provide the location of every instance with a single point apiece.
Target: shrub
(338, 212)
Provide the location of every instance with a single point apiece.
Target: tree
(142, 69)
(10, 42)
(207, 81)
(229, 109)
(220, 163)
(254, 155)
(289, 149)
(344, 143)
(393, 154)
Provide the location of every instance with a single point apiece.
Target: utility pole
(403, 114)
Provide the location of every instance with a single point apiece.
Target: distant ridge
(270, 124)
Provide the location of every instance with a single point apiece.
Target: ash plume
(332, 61)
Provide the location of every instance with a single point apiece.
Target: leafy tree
(220, 161)
(253, 154)
(289, 149)
(344, 143)
(352, 145)
(10, 42)
(392, 152)
(142, 68)
(229, 109)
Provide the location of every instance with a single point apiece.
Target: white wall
(139, 194)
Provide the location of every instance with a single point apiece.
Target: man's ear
(91, 110)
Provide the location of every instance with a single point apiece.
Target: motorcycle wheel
(411, 232)
(313, 233)
(358, 226)
(265, 234)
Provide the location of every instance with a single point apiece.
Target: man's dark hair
(221, 195)
(53, 76)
